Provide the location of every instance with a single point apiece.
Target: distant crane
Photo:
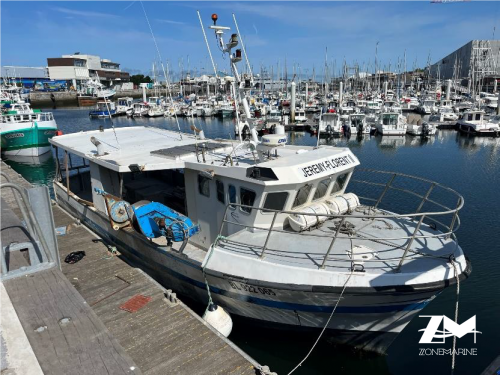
(447, 1)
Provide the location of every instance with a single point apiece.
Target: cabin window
(275, 201)
(232, 195)
(478, 116)
(204, 185)
(302, 195)
(247, 198)
(471, 116)
(220, 191)
(322, 188)
(339, 183)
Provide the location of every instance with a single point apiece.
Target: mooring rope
(326, 325)
(210, 252)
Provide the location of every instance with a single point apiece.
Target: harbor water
(469, 165)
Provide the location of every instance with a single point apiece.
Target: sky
(299, 32)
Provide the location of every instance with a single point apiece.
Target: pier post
(144, 93)
(307, 92)
(341, 93)
(498, 104)
(385, 90)
(292, 104)
(495, 85)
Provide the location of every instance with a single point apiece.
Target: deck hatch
(177, 151)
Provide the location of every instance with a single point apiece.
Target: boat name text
(14, 135)
(251, 289)
(327, 165)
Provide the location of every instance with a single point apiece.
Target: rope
(210, 252)
(326, 325)
(452, 261)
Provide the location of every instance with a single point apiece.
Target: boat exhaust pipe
(98, 145)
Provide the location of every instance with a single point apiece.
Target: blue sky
(299, 31)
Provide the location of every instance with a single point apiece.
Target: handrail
(447, 231)
(32, 218)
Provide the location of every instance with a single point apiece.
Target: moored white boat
(389, 123)
(473, 122)
(275, 232)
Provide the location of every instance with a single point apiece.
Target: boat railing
(441, 215)
(27, 117)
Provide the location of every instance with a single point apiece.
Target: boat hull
(368, 318)
(25, 140)
(471, 130)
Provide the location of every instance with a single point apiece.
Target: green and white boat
(26, 132)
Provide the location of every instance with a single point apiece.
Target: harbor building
(77, 67)
(28, 76)
(478, 57)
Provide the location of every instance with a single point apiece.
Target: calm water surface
(469, 165)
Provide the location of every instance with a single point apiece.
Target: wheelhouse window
(339, 183)
(220, 191)
(391, 119)
(478, 116)
(302, 195)
(204, 185)
(232, 195)
(247, 198)
(275, 201)
(322, 188)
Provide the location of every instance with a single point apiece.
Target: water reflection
(391, 142)
(38, 170)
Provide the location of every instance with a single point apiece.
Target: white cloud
(170, 22)
(83, 13)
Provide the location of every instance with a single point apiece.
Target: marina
(421, 155)
(213, 220)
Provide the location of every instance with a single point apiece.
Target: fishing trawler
(278, 234)
(104, 109)
(25, 131)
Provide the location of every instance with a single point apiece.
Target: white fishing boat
(122, 105)
(269, 230)
(423, 129)
(356, 124)
(96, 89)
(300, 115)
(274, 114)
(473, 122)
(330, 124)
(138, 109)
(104, 109)
(206, 110)
(444, 114)
(390, 123)
(278, 236)
(25, 131)
(427, 107)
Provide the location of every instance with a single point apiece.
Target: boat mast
(243, 48)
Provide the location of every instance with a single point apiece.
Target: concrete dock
(75, 321)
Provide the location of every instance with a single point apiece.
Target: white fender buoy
(218, 318)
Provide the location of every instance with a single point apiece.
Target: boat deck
(383, 242)
(100, 337)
